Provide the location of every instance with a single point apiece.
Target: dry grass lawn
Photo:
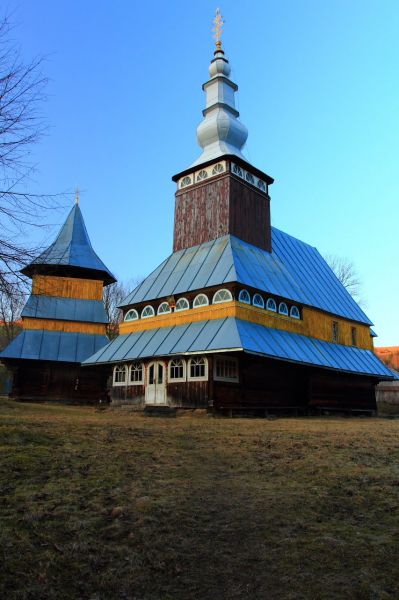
(113, 505)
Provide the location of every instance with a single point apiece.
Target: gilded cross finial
(77, 195)
(218, 22)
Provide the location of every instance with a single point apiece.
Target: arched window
(219, 168)
(237, 170)
(202, 175)
(198, 369)
(136, 376)
(147, 311)
(163, 308)
(294, 312)
(177, 369)
(283, 308)
(131, 315)
(271, 305)
(258, 301)
(200, 300)
(185, 181)
(120, 373)
(249, 178)
(222, 296)
(261, 185)
(244, 296)
(182, 304)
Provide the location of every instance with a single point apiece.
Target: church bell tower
(221, 193)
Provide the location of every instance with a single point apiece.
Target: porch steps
(159, 410)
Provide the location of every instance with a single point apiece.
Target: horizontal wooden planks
(67, 287)
(71, 326)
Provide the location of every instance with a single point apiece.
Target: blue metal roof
(72, 247)
(37, 344)
(235, 334)
(66, 309)
(293, 270)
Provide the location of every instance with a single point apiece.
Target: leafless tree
(345, 270)
(12, 302)
(22, 88)
(112, 297)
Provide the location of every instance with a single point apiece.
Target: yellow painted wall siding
(67, 287)
(314, 323)
(71, 326)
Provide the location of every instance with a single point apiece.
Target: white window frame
(258, 305)
(240, 297)
(280, 312)
(220, 378)
(295, 309)
(202, 378)
(222, 301)
(185, 308)
(141, 382)
(200, 296)
(203, 174)
(275, 305)
(218, 168)
(177, 379)
(119, 368)
(164, 312)
(131, 311)
(148, 316)
(185, 181)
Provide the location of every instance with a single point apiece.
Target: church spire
(220, 132)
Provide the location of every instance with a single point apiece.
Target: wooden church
(64, 321)
(241, 316)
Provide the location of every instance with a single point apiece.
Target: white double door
(155, 389)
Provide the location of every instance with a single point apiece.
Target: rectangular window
(198, 369)
(226, 369)
(334, 335)
(354, 336)
(136, 374)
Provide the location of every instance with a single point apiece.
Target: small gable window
(271, 305)
(200, 300)
(120, 375)
(334, 331)
(219, 168)
(222, 296)
(237, 170)
(136, 373)
(163, 308)
(294, 312)
(202, 175)
(185, 181)
(353, 336)
(147, 311)
(283, 308)
(249, 178)
(131, 315)
(182, 304)
(177, 370)
(261, 185)
(244, 296)
(198, 369)
(258, 301)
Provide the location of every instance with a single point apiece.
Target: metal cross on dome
(218, 22)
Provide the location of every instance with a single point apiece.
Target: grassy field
(113, 505)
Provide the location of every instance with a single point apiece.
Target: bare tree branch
(112, 297)
(345, 270)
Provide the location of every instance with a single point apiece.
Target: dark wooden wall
(42, 380)
(223, 205)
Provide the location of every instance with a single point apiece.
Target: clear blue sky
(318, 91)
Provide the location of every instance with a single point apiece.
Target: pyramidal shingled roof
(71, 248)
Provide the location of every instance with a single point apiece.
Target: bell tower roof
(71, 254)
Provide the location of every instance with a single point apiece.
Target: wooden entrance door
(155, 391)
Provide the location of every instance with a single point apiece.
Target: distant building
(241, 316)
(389, 355)
(63, 321)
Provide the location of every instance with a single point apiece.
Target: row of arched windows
(195, 368)
(270, 304)
(220, 296)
